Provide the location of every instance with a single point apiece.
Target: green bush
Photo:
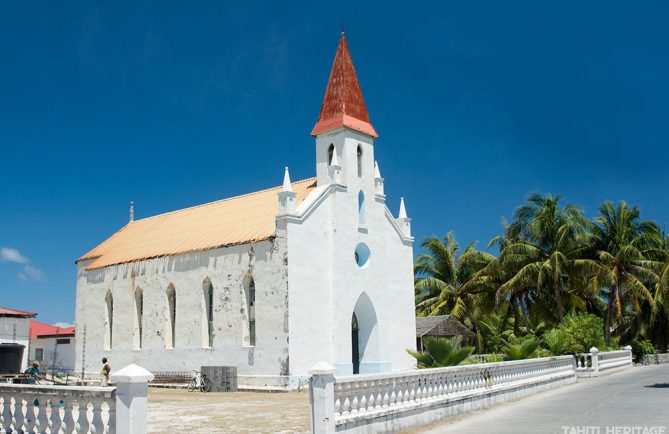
(577, 333)
(641, 347)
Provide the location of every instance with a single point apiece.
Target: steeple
(287, 186)
(403, 221)
(378, 181)
(286, 196)
(343, 105)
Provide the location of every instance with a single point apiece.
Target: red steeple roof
(343, 105)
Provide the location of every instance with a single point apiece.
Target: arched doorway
(364, 336)
(355, 349)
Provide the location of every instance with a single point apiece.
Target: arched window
(361, 208)
(139, 319)
(208, 317)
(250, 292)
(109, 320)
(170, 330)
(359, 161)
(331, 150)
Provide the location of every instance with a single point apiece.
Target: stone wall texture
(655, 359)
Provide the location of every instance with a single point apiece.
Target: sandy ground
(180, 411)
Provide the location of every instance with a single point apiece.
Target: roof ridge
(176, 211)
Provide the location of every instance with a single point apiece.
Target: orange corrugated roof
(343, 104)
(238, 220)
(5, 311)
(41, 329)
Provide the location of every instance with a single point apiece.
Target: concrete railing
(485, 358)
(28, 408)
(398, 401)
(593, 363)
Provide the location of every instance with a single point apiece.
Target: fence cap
(322, 368)
(628, 348)
(594, 350)
(131, 374)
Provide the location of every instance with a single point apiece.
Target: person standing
(104, 374)
(32, 373)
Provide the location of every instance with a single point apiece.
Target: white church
(272, 282)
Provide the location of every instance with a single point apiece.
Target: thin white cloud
(31, 274)
(8, 254)
(63, 324)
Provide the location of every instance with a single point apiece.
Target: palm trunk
(664, 330)
(558, 301)
(609, 315)
(523, 308)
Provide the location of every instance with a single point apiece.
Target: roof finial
(403, 210)
(286, 181)
(341, 24)
(132, 211)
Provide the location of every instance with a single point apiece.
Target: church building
(271, 282)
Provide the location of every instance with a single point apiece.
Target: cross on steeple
(341, 24)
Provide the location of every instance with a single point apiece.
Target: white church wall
(326, 283)
(310, 271)
(226, 268)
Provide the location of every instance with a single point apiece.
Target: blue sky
(173, 104)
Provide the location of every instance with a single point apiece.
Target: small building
(442, 326)
(15, 328)
(52, 346)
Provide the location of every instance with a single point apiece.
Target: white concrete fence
(398, 401)
(122, 409)
(593, 363)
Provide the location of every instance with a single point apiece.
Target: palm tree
(444, 281)
(622, 240)
(440, 352)
(657, 320)
(527, 349)
(546, 252)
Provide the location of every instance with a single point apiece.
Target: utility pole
(83, 353)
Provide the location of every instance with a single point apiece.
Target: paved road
(634, 397)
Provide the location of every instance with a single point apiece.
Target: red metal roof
(5, 311)
(40, 329)
(343, 105)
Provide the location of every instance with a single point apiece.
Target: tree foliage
(561, 282)
(576, 334)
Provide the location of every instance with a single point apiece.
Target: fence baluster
(55, 421)
(42, 419)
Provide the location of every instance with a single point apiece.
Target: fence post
(131, 398)
(629, 348)
(594, 359)
(321, 398)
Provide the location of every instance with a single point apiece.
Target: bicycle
(199, 382)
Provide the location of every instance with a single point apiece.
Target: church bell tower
(344, 134)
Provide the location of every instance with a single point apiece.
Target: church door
(355, 350)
